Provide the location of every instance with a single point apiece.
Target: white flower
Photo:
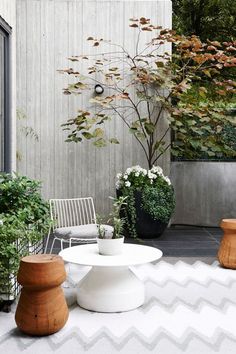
(151, 175)
(167, 180)
(128, 171)
(1, 222)
(157, 169)
(125, 176)
(143, 171)
(137, 174)
(119, 175)
(135, 169)
(118, 184)
(127, 184)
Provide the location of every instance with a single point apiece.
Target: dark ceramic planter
(146, 226)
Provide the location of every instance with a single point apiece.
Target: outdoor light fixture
(99, 89)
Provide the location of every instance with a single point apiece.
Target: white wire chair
(67, 213)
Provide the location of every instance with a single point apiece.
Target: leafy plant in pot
(110, 244)
(151, 200)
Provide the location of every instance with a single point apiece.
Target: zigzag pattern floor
(188, 309)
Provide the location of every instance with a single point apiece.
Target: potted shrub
(110, 244)
(25, 220)
(151, 200)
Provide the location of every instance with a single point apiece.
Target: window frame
(6, 31)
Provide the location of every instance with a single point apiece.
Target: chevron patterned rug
(188, 309)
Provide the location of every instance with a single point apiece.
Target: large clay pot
(42, 307)
(227, 251)
(146, 226)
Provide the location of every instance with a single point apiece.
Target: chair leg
(46, 246)
(52, 245)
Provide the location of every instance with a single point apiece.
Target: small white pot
(110, 246)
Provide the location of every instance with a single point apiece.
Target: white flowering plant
(137, 176)
(156, 190)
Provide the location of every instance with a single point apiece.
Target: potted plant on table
(110, 244)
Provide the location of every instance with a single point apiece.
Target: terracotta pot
(42, 307)
(227, 251)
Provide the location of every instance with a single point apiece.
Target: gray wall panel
(205, 192)
(49, 31)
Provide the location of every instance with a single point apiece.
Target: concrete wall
(205, 192)
(48, 31)
(8, 13)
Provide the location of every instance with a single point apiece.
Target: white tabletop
(131, 255)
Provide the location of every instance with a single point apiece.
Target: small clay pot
(227, 250)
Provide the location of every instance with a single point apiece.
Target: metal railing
(9, 287)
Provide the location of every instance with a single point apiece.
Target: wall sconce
(98, 89)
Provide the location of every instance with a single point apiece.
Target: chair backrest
(72, 212)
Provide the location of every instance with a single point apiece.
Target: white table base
(110, 289)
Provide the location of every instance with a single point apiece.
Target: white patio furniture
(74, 221)
(110, 285)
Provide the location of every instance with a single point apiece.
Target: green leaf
(140, 135)
(159, 64)
(207, 128)
(133, 130)
(210, 153)
(76, 139)
(87, 135)
(195, 144)
(100, 143)
(191, 122)
(158, 145)
(178, 123)
(183, 130)
(207, 73)
(80, 85)
(98, 133)
(114, 141)
(149, 127)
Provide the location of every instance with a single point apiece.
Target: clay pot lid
(228, 223)
(42, 258)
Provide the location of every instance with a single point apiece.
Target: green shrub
(158, 201)
(25, 220)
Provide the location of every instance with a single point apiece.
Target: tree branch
(166, 148)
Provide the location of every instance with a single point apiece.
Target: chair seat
(89, 231)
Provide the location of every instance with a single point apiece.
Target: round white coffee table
(110, 285)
